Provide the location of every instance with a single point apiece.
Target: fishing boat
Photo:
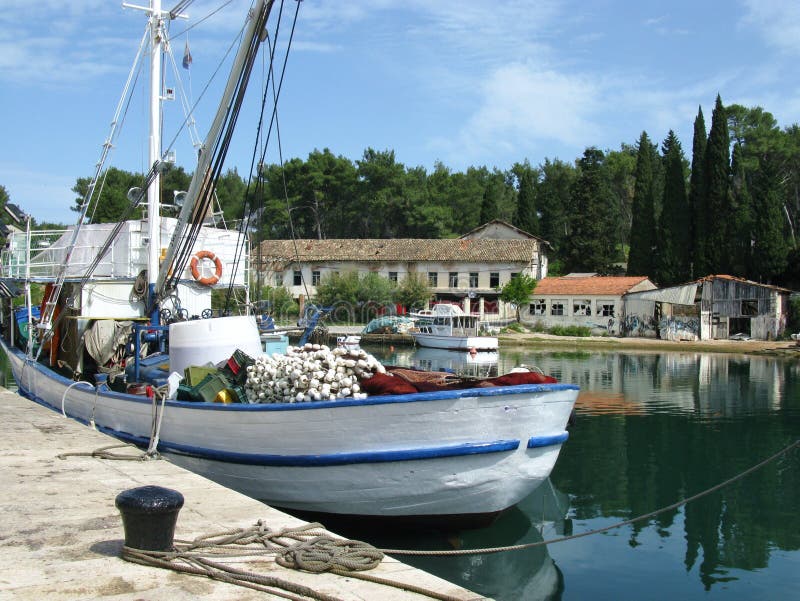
(446, 326)
(127, 314)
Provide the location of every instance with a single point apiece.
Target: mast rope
(276, 91)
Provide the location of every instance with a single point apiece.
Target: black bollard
(149, 514)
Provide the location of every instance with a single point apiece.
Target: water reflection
(653, 429)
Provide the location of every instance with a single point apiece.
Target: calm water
(651, 429)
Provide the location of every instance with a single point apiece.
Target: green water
(650, 430)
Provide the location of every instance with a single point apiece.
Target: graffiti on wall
(679, 328)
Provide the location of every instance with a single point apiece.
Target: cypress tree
(643, 222)
(526, 216)
(742, 223)
(697, 199)
(590, 246)
(674, 232)
(770, 247)
(489, 203)
(719, 209)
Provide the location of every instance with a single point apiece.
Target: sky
(457, 82)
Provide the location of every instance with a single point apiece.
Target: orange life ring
(194, 265)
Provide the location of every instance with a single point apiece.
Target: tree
(719, 208)
(413, 292)
(590, 245)
(489, 204)
(621, 167)
(554, 201)
(526, 217)
(770, 247)
(517, 291)
(674, 224)
(110, 200)
(697, 199)
(641, 257)
(742, 231)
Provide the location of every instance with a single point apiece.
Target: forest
(730, 204)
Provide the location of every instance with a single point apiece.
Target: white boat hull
(456, 343)
(473, 451)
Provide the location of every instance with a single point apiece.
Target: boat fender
(194, 265)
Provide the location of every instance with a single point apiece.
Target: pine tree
(643, 224)
(674, 233)
(590, 246)
(697, 199)
(719, 208)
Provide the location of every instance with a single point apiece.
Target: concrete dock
(61, 534)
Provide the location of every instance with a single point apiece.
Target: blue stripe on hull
(460, 450)
(537, 442)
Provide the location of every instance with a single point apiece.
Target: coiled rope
(308, 548)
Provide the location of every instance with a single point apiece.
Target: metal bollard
(149, 515)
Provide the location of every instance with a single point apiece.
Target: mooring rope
(562, 539)
(309, 548)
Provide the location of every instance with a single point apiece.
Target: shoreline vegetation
(610, 343)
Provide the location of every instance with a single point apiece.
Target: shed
(716, 307)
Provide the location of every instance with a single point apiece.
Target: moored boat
(446, 326)
(127, 311)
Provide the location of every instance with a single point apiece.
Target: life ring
(194, 265)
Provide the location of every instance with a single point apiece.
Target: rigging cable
(274, 118)
(245, 224)
(219, 152)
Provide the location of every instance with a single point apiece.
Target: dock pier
(62, 535)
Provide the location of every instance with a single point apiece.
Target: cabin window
(393, 276)
(606, 309)
(473, 279)
(494, 279)
(557, 307)
(433, 279)
(298, 277)
(315, 277)
(582, 307)
(750, 308)
(453, 279)
(538, 307)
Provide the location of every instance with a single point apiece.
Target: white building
(468, 271)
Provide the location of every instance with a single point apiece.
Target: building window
(315, 277)
(298, 277)
(538, 307)
(750, 308)
(393, 276)
(557, 307)
(433, 279)
(453, 279)
(514, 274)
(606, 309)
(473, 279)
(494, 279)
(582, 307)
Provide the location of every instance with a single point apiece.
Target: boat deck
(62, 534)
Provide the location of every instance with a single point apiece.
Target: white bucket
(203, 341)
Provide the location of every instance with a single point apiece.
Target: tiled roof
(400, 250)
(594, 285)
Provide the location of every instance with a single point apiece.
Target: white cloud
(777, 20)
(524, 106)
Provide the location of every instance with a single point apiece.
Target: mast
(154, 154)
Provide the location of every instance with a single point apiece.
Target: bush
(581, 331)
